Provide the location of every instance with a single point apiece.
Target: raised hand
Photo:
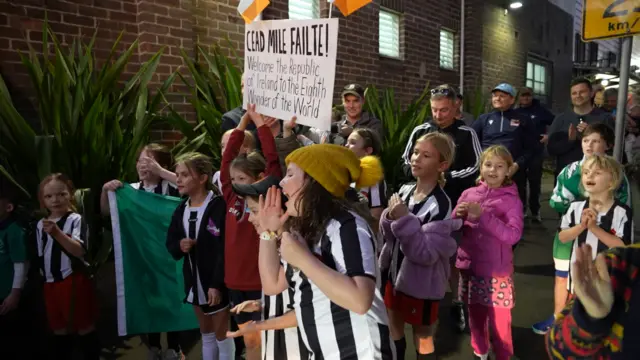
(271, 217)
(112, 185)
(592, 283)
(50, 227)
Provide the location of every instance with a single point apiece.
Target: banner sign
(289, 69)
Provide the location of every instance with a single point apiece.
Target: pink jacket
(486, 246)
(427, 250)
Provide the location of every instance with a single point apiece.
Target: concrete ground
(534, 301)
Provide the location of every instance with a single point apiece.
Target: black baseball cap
(258, 188)
(353, 89)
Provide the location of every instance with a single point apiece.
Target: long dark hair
(317, 207)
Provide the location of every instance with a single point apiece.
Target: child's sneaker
(543, 327)
(154, 354)
(171, 354)
(537, 218)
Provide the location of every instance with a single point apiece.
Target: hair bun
(371, 172)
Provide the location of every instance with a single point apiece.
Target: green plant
(475, 102)
(90, 125)
(214, 84)
(398, 124)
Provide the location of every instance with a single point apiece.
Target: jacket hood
(504, 190)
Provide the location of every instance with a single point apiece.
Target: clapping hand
(592, 283)
(397, 207)
(589, 219)
(462, 209)
(474, 211)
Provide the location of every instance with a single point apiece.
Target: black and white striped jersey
(55, 262)
(329, 330)
(162, 188)
(376, 195)
(284, 344)
(436, 206)
(617, 221)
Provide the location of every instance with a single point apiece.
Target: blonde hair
(249, 141)
(199, 164)
(606, 163)
(498, 151)
(446, 148)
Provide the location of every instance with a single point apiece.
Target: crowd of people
(297, 249)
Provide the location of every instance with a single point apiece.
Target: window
(389, 34)
(537, 80)
(304, 9)
(446, 49)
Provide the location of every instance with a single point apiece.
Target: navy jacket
(510, 129)
(539, 116)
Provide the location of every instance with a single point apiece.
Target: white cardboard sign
(289, 69)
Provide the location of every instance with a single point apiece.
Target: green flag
(149, 282)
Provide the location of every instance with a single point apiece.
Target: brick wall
(492, 51)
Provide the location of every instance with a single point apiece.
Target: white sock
(209, 347)
(227, 349)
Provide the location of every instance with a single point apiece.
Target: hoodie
(540, 117)
(241, 240)
(508, 128)
(367, 120)
(486, 247)
(424, 272)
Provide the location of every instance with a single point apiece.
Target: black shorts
(210, 310)
(237, 297)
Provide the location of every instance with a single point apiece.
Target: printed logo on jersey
(490, 122)
(515, 122)
(212, 228)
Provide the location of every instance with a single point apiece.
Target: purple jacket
(486, 246)
(427, 249)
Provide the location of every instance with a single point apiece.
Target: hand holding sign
(290, 69)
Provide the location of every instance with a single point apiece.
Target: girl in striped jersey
(365, 142)
(61, 238)
(327, 254)
(154, 162)
(601, 221)
(196, 233)
(280, 337)
(415, 257)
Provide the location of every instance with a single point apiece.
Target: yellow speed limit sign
(603, 19)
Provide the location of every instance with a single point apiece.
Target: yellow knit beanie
(336, 167)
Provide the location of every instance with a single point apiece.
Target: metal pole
(461, 88)
(625, 63)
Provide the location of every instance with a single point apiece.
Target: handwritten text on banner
(289, 69)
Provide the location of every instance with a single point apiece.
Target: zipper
(501, 119)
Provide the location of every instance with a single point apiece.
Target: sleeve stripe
(415, 134)
(477, 150)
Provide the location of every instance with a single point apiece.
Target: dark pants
(520, 179)
(173, 340)
(534, 178)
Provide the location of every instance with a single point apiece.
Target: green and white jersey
(568, 190)
(12, 250)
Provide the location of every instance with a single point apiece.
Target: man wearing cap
(541, 119)
(507, 127)
(354, 117)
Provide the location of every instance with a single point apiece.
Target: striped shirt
(328, 330)
(162, 188)
(376, 195)
(56, 263)
(192, 220)
(617, 221)
(284, 344)
(436, 206)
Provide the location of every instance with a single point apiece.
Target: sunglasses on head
(443, 91)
